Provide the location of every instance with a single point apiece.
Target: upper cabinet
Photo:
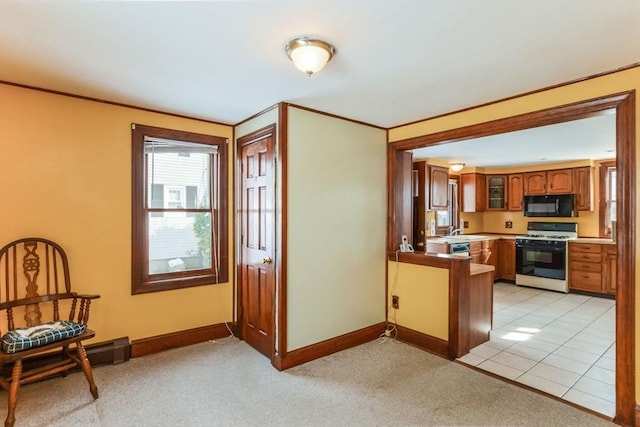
(474, 192)
(582, 179)
(515, 184)
(559, 181)
(535, 183)
(497, 192)
(438, 188)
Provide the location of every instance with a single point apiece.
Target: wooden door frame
(624, 105)
(248, 139)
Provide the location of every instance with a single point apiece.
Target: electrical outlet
(508, 224)
(465, 224)
(395, 301)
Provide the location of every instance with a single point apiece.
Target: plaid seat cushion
(25, 338)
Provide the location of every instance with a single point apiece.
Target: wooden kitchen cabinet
(515, 184)
(475, 252)
(535, 183)
(585, 267)
(489, 256)
(497, 192)
(507, 259)
(560, 181)
(583, 188)
(609, 276)
(474, 192)
(438, 188)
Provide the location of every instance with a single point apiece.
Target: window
(608, 176)
(449, 220)
(179, 219)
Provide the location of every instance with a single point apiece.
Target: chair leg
(16, 373)
(86, 368)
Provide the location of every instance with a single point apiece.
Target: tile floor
(562, 344)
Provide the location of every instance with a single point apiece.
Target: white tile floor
(562, 344)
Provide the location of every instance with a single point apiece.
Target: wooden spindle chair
(34, 285)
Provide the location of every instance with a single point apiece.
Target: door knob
(266, 260)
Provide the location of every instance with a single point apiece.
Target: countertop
(480, 268)
(597, 240)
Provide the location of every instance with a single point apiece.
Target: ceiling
(397, 61)
(593, 138)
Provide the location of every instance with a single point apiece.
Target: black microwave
(550, 205)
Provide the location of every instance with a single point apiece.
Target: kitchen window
(179, 218)
(608, 196)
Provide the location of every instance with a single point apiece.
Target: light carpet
(227, 383)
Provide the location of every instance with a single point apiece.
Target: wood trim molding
(281, 229)
(425, 342)
(104, 101)
(327, 347)
(602, 196)
(624, 104)
(548, 116)
(520, 95)
(637, 416)
(335, 116)
(459, 308)
(158, 343)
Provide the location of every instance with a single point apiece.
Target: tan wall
(336, 220)
(609, 84)
(65, 174)
(424, 298)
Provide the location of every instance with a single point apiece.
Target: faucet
(453, 232)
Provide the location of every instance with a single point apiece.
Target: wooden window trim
(140, 280)
(602, 204)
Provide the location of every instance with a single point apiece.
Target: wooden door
(560, 181)
(515, 185)
(535, 183)
(438, 188)
(582, 178)
(257, 225)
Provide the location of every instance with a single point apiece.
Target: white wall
(336, 227)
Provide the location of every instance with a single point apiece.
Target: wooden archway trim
(624, 105)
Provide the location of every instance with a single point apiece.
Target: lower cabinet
(592, 267)
(506, 268)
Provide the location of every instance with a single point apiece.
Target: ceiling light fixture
(456, 167)
(309, 55)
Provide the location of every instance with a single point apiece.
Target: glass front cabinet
(497, 192)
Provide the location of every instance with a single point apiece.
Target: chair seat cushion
(25, 338)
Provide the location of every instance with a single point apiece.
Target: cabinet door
(490, 256)
(473, 192)
(582, 179)
(497, 192)
(535, 183)
(438, 188)
(560, 181)
(515, 185)
(610, 275)
(507, 259)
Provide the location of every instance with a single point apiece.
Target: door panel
(256, 216)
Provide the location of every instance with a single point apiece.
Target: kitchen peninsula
(445, 302)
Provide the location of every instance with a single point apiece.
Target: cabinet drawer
(586, 280)
(586, 247)
(586, 257)
(577, 266)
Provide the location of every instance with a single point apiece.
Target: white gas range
(542, 255)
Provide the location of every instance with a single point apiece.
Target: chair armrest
(83, 296)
